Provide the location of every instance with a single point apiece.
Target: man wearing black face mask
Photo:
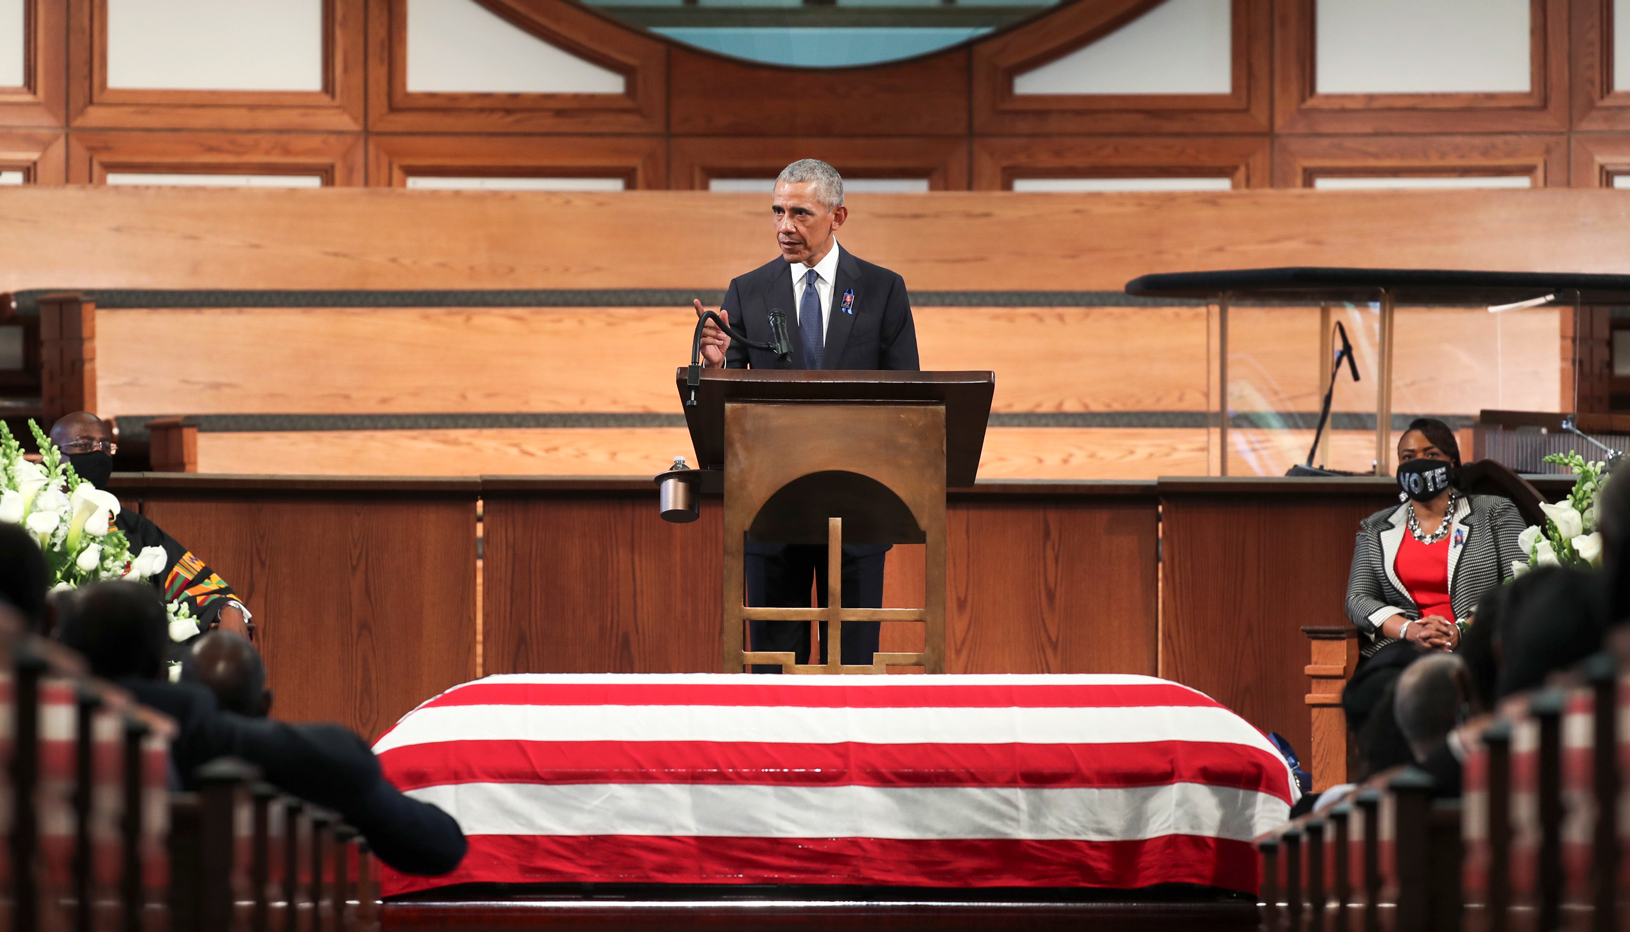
(87, 444)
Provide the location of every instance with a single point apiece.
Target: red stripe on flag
(845, 861)
(1155, 763)
(913, 696)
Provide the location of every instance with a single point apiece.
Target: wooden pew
(85, 770)
(1534, 842)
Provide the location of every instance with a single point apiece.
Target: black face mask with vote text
(94, 467)
(1424, 479)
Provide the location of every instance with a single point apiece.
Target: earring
(1403, 496)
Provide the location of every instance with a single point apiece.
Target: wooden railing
(96, 840)
(1533, 843)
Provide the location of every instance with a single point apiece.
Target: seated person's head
(1431, 438)
(87, 443)
(1613, 511)
(1555, 618)
(24, 575)
(1433, 695)
(121, 628)
(230, 666)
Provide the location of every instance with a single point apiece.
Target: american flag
(931, 781)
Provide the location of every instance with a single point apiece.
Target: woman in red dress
(1419, 568)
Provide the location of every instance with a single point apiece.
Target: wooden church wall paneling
(1298, 161)
(711, 95)
(338, 158)
(999, 161)
(641, 161)
(696, 160)
(1598, 158)
(42, 100)
(1597, 105)
(1300, 108)
(595, 37)
(41, 155)
(337, 107)
(998, 110)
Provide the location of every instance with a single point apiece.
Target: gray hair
(828, 183)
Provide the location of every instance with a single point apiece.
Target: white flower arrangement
(72, 521)
(1569, 536)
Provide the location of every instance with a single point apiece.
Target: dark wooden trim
(41, 155)
(641, 161)
(999, 161)
(1299, 108)
(804, 915)
(1330, 632)
(42, 101)
(338, 158)
(641, 59)
(338, 106)
(138, 483)
(710, 95)
(996, 61)
(696, 160)
(1299, 160)
(1597, 105)
(1597, 158)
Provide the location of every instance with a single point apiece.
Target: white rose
(1526, 539)
(89, 558)
(1518, 568)
(50, 500)
(1544, 554)
(63, 587)
(1589, 548)
(12, 507)
(1569, 523)
(43, 523)
(183, 628)
(151, 560)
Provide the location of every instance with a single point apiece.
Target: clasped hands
(714, 340)
(1434, 632)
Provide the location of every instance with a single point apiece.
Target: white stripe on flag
(811, 725)
(670, 809)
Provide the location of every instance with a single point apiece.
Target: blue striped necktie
(809, 321)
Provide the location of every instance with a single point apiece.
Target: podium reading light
(676, 492)
(779, 343)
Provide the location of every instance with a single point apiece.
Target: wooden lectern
(812, 457)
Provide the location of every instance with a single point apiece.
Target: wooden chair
(1334, 648)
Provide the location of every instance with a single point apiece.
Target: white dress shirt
(827, 269)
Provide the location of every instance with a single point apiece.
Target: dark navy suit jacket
(876, 332)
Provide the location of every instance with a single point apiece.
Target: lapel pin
(849, 301)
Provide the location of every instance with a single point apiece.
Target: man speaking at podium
(851, 315)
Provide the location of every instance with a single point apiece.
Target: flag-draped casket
(943, 781)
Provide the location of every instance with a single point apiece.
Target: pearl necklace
(1443, 529)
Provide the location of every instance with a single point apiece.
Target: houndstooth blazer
(1482, 544)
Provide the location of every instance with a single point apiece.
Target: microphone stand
(780, 344)
(1346, 352)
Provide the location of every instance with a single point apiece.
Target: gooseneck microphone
(779, 343)
(1347, 350)
(1330, 392)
